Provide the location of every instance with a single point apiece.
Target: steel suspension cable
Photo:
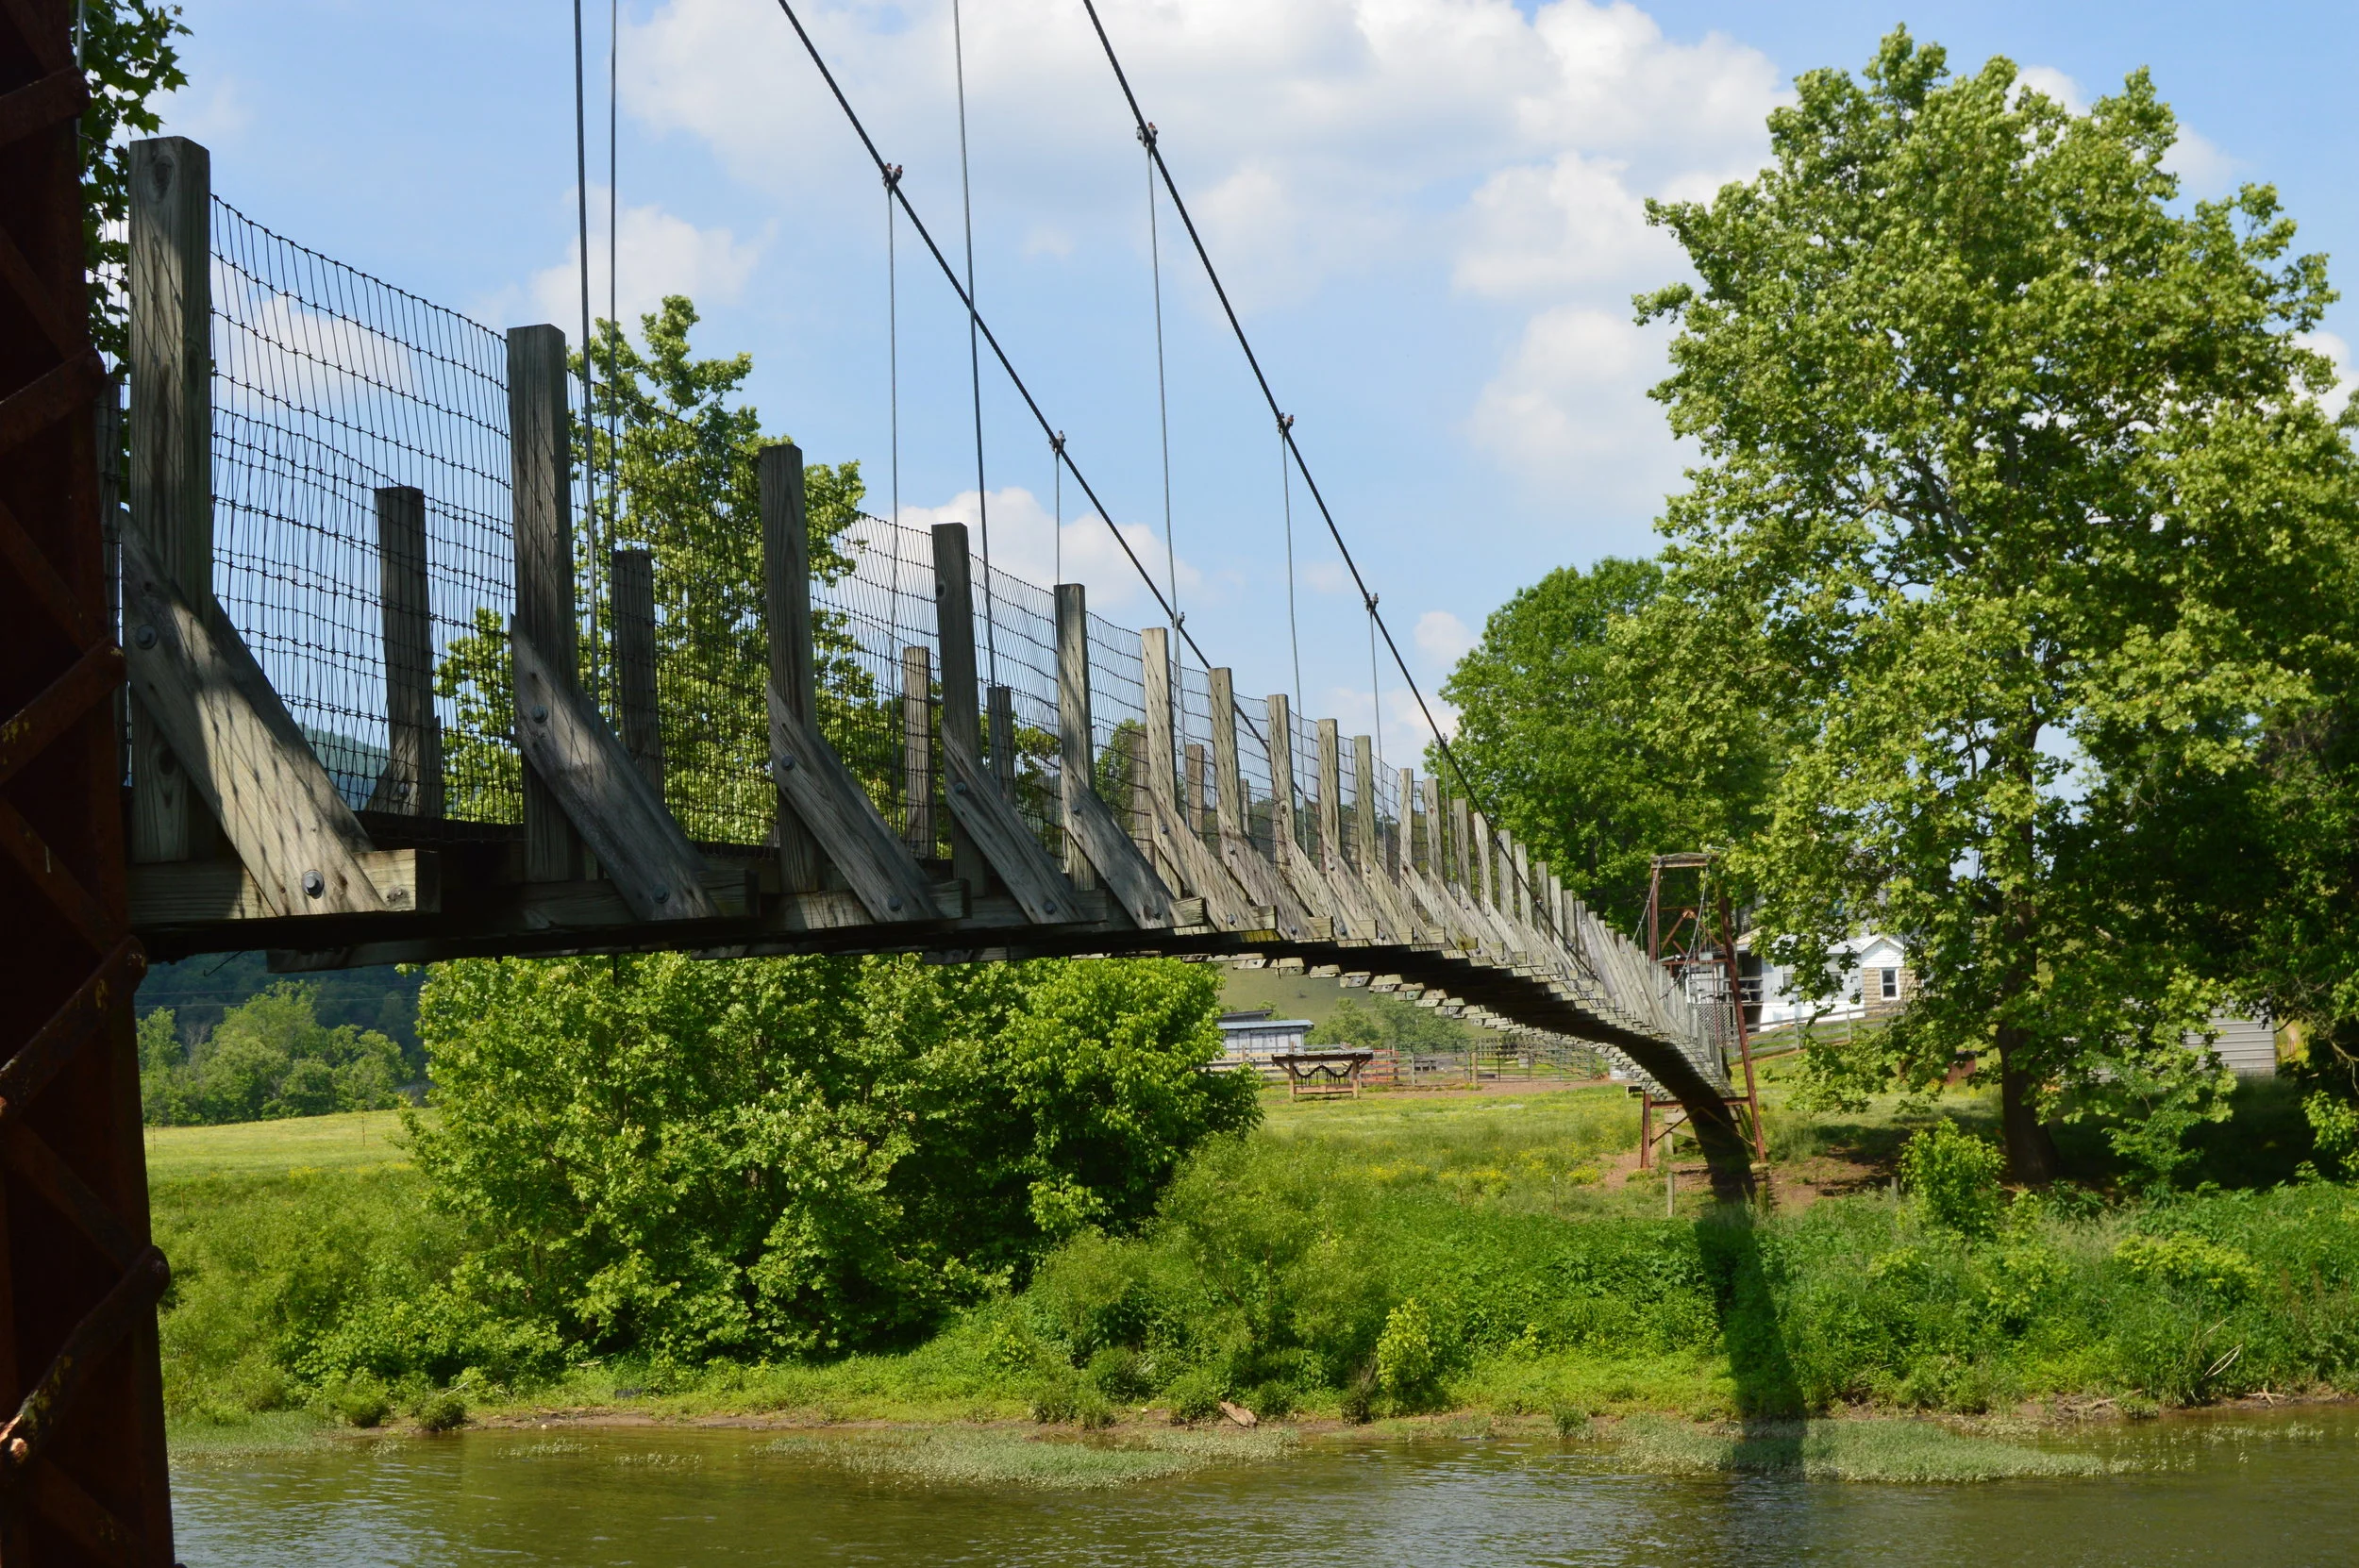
(893, 390)
(973, 356)
(1163, 394)
(998, 350)
(1253, 361)
(589, 408)
(613, 268)
(1286, 490)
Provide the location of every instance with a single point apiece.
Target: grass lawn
(353, 1140)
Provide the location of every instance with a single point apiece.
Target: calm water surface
(2272, 1489)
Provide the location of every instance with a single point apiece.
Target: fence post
(1460, 855)
(411, 783)
(1506, 889)
(1199, 820)
(172, 447)
(1484, 882)
(1527, 904)
(632, 577)
(1432, 788)
(1163, 783)
(786, 599)
(1230, 805)
(917, 750)
(1401, 853)
(1002, 713)
(1330, 793)
(541, 465)
(962, 724)
(1073, 718)
(1365, 831)
(1281, 776)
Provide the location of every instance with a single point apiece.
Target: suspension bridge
(343, 636)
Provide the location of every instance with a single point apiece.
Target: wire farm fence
(329, 385)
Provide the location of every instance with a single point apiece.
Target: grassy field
(352, 1141)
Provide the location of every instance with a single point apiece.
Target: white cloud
(1025, 543)
(1443, 638)
(1570, 407)
(2049, 82)
(656, 254)
(2337, 353)
(2202, 168)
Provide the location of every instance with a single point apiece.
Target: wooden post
(1461, 846)
(1366, 831)
(1199, 820)
(1139, 810)
(1330, 792)
(962, 724)
(172, 447)
(917, 750)
(1486, 882)
(1003, 738)
(1073, 716)
(1228, 802)
(786, 582)
(1402, 850)
(1281, 775)
(632, 574)
(411, 783)
(1162, 770)
(1434, 865)
(1527, 898)
(541, 492)
(1509, 889)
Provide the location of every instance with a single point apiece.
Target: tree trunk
(2030, 1150)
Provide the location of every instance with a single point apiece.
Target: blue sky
(1428, 209)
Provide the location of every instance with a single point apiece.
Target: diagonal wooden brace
(601, 790)
(1033, 877)
(832, 804)
(243, 750)
(1107, 848)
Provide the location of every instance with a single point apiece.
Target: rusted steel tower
(1694, 939)
(82, 1475)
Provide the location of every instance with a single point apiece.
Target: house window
(1888, 984)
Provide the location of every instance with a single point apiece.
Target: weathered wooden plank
(1280, 746)
(172, 447)
(541, 464)
(1364, 823)
(1199, 779)
(1001, 703)
(917, 751)
(412, 781)
(631, 578)
(1459, 873)
(1161, 768)
(1330, 817)
(962, 690)
(1228, 906)
(786, 606)
(1118, 863)
(566, 743)
(992, 825)
(241, 750)
(1232, 809)
(207, 892)
(829, 804)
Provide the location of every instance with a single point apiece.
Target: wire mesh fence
(328, 387)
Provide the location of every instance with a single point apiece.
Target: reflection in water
(2267, 1490)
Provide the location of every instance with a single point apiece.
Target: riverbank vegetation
(1390, 1258)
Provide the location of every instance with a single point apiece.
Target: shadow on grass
(1768, 1394)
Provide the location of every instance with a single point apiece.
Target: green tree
(2020, 463)
(800, 1155)
(1576, 731)
(269, 1057)
(689, 493)
(127, 57)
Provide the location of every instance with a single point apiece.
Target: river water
(2269, 1489)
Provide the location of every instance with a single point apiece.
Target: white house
(1248, 1040)
(1882, 981)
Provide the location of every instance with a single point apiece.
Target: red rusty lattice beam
(82, 1477)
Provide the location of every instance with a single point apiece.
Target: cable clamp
(1285, 423)
(1056, 444)
(1146, 135)
(892, 175)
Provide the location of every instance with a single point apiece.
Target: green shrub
(440, 1410)
(362, 1402)
(1406, 1366)
(2334, 1128)
(2183, 1262)
(1954, 1178)
(1195, 1394)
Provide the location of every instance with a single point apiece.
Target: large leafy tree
(1578, 726)
(2019, 460)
